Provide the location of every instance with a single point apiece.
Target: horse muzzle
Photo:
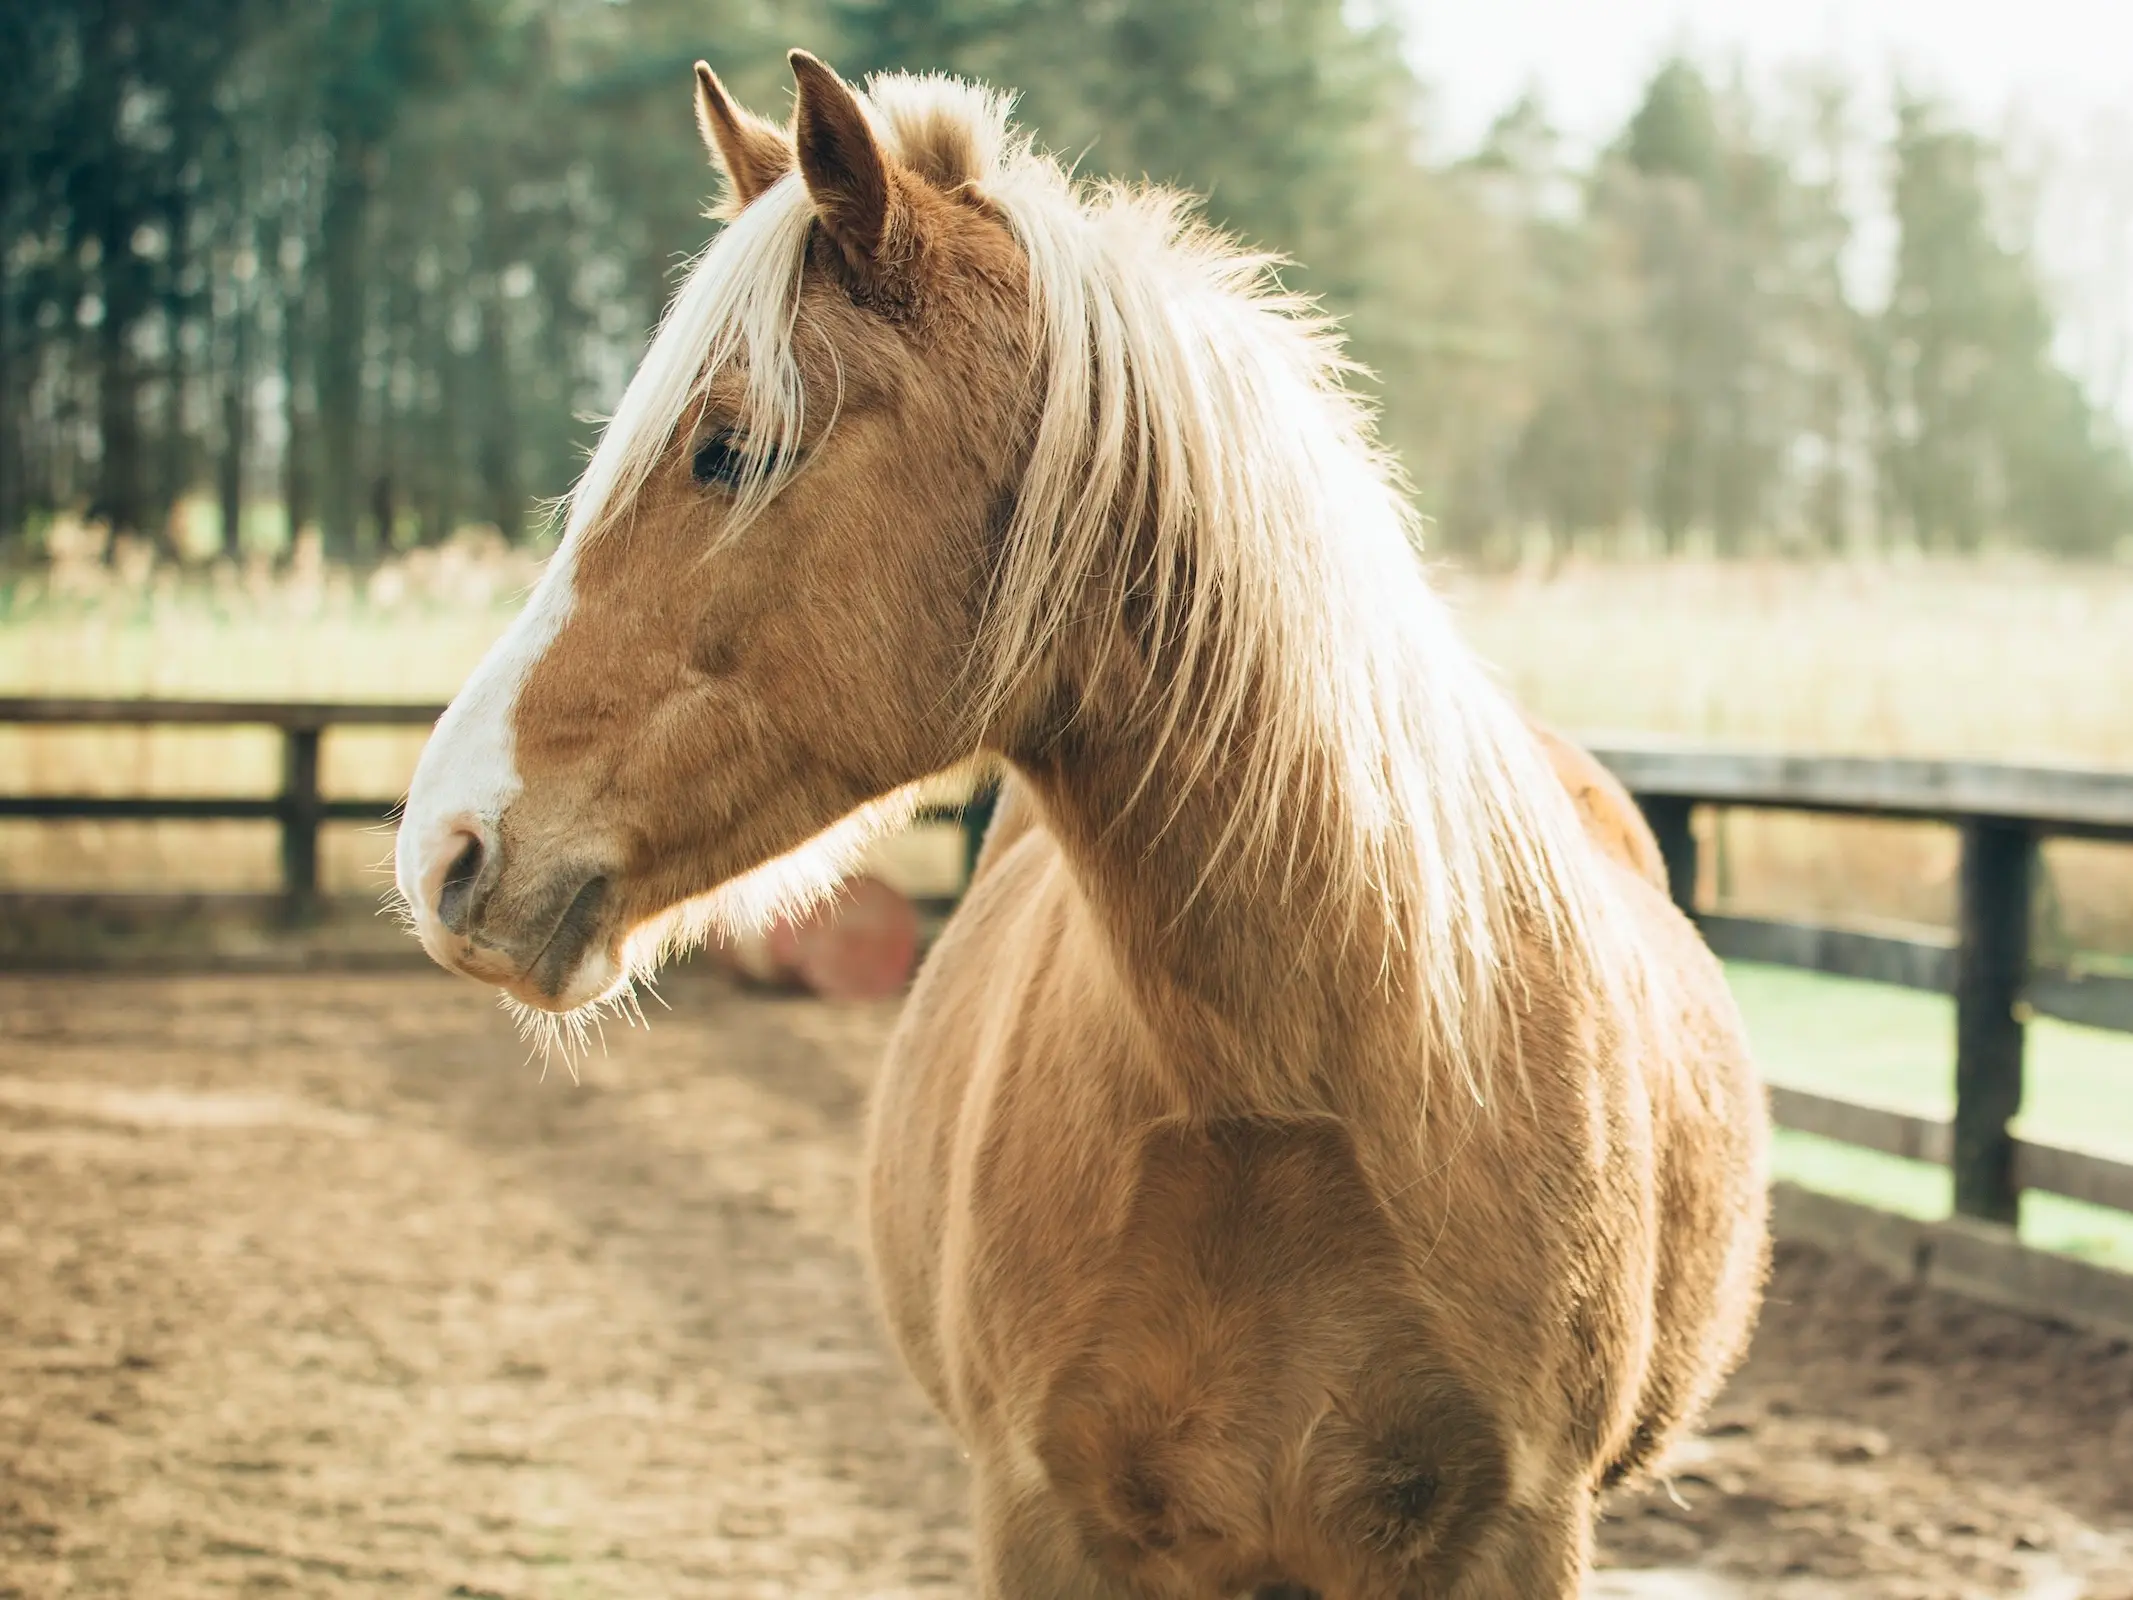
(542, 932)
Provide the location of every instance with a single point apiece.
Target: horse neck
(1263, 973)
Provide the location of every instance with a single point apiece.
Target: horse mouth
(564, 950)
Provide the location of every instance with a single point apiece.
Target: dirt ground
(314, 1286)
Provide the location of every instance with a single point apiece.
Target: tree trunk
(499, 422)
(340, 355)
(119, 498)
(106, 188)
(12, 498)
(443, 468)
(395, 455)
(296, 447)
(236, 418)
(174, 469)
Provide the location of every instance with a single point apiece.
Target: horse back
(1612, 818)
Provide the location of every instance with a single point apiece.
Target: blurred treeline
(372, 264)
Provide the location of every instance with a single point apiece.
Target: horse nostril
(455, 895)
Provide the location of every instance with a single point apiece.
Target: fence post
(1670, 817)
(1991, 965)
(299, 817)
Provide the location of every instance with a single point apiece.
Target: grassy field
(2001, 661)
(1896, 1048)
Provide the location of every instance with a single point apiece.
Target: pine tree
(432, 235)
(1982, 434)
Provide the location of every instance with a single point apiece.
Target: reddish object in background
(861, 945)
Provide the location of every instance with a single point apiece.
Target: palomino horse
(1311, 1157)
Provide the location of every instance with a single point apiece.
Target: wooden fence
(298, 809)
(2002, 814)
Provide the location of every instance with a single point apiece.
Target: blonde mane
(1277, 555)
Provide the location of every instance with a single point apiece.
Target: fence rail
(299, 807)
(2001, 812)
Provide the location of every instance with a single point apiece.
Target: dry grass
(87, 626)
(2003, 660)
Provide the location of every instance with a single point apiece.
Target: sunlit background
(1765, 373)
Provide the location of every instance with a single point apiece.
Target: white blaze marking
(469, 767)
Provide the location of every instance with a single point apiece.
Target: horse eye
(724, 460)
(720, 461)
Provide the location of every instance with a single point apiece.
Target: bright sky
(2061, 58)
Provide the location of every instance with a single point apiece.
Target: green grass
(1896, 1048)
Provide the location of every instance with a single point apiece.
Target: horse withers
(1316, 1155)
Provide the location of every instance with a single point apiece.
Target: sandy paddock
(316, 1286)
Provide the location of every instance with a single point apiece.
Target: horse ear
(752, 154)
(847, 174)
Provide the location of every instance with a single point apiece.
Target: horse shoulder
(992, 1119)
(1612, 819)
